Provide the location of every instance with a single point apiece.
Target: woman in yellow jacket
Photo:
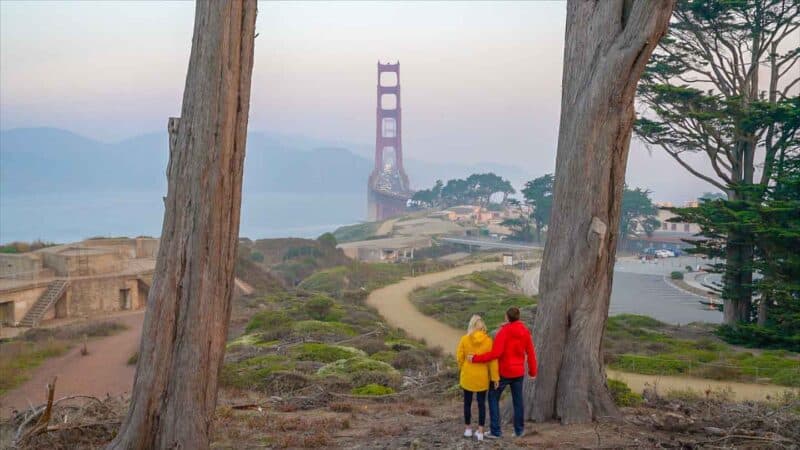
(475, 377)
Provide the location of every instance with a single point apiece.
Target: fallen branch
(37, 411)
(44, 419)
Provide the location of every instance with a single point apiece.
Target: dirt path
(393, 303)
(386, 227)
(104, 370)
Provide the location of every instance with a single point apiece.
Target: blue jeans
(516, 399)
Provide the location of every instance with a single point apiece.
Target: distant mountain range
(44, 160)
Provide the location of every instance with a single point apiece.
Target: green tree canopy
(723, 83)
(638, 213)
(538, 194)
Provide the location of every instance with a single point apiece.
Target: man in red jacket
(512, 343)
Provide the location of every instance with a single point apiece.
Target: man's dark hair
(512, 314)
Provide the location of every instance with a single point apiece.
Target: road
(491, 243)
(393, 303)
(644, 288)
(103, 371)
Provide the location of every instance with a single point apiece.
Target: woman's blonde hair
(476, 323)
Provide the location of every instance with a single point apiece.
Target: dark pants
(481, 398)
(516, 399)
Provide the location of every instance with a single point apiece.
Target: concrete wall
(19, 265)
(88, 297)
(97, 262)
(146, 247)
(23, 299)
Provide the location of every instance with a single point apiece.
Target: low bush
(622, 394)
(316, 328)
(411, 359)
(322, 307)
(75, 331)
(266, 321)
(252, 373)
(392, 380)
(676, 275)
(133, 359)
(355, 365)
(372, 389)
(386, 356)
(324, 352)
(754, 336)
(370, 345)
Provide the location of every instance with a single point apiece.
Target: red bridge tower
(388, 188)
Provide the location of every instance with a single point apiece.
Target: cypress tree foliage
(771, 215)
(722, 72)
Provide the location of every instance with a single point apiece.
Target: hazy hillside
(36, 160)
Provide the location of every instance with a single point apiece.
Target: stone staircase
(48, 298)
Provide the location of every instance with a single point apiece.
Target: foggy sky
(480, 81)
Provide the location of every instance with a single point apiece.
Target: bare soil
(103, 371)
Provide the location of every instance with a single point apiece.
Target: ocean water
(70, 217)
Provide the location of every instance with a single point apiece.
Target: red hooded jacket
(510, 346)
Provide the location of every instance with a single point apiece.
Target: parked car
(664, 254)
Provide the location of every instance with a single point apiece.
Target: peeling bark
(607, 45)
(186, 322)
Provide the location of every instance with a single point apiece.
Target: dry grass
(19, 357)
(342, 407)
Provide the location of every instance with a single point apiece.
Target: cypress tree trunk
(607, 45)
(186, 322)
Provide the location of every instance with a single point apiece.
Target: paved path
(393, 303)
(655, 296)
(104, 370)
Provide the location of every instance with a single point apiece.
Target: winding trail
(393, 303)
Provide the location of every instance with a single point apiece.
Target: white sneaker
(468, 433)
(479, 435)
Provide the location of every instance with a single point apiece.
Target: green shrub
(386, 356)
(253, 340)
(316, 327)
(318, 307)
(266, 320)
(257, 256)
(355, 365)
(676, 275)
(392, 380)
(622, 394)
(252, 373)
(372, 389)
(327, 240)
(324, 352)
(754, 336)
(133, 359)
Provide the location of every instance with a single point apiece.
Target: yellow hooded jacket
(475, 376)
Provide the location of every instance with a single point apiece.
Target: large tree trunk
(186, 323)
(606, 47)
(737, 293)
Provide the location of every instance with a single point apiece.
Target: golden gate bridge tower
(388, 189)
